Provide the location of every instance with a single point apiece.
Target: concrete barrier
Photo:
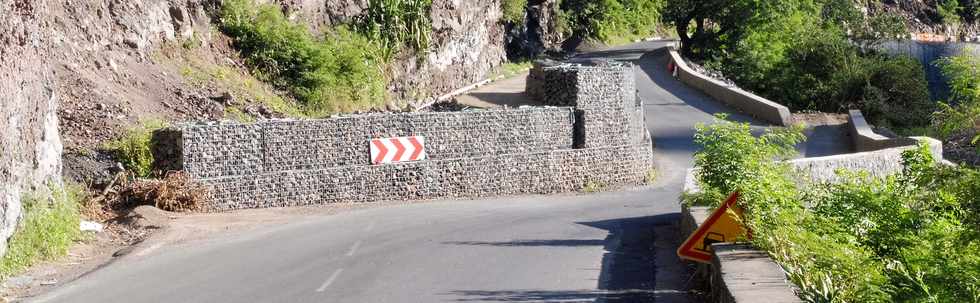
(744, 101)
(865, 139)
(741, 273)
(878, 163)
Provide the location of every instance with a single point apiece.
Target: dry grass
(175, 192)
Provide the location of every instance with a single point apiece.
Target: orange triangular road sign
(722, 226)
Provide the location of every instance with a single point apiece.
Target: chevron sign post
(398, 149)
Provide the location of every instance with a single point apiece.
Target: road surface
(605, 247)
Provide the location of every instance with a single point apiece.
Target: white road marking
(353, 249)
(370, 226)
(330, 280)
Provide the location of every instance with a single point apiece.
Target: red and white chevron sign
(398, 149)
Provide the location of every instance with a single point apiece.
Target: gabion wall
(601, 141)
(211, 151)
(529, 173)
(603, 94)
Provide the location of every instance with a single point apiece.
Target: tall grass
(48, 228)
(397, 23)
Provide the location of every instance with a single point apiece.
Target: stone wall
(30, 145)
(879, 163)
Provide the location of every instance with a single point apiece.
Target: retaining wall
(744, 101)
(601, 141)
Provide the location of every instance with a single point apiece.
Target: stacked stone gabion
(602, 141)
(248, 149)
(530, 173)
(603, 94)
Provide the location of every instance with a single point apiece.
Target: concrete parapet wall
(865, 138)
(879, 163)
(744, 101)
(741, 273)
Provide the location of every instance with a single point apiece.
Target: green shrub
(962, 112)
(905, 238)
(808, 55)
(949, 11)
(341, 72)
(397, 23)
(593, 187)
(47, 229)
(134, 148)
(514, 11)
(752, 169)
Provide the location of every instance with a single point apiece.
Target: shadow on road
(637, 251)
(543, 243)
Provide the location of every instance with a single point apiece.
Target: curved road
(606, 247)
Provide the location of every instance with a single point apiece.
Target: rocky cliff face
(30, 146)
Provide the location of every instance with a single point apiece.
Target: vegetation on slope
(514, 10)
(898, 239)
(340, 72)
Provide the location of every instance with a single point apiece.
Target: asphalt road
(605, 247)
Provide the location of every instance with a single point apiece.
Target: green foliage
(241, 85)
(962, 112)
(807, 54)
(905, 238)
(134, 148)
(732, 159)
(608, 20)
(949, 11)
(48, 227)
(339, 73)
(396, 23)
(514, 10)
